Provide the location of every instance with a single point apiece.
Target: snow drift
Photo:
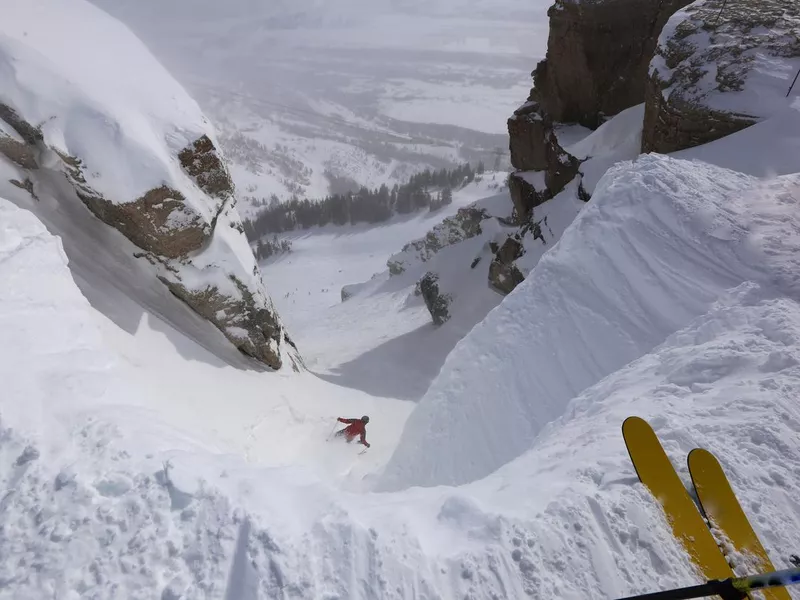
(137, 151)
(661, 240)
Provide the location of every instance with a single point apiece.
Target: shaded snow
(766, 149)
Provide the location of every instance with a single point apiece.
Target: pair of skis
(719, 505)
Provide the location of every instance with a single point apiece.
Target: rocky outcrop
(169, 229)
(437, 303)
(527, 131)
(254, 330)
(598, 52)
(465, 224)
(504, 275)
(22, 151)
(202, 162)
(535, 148)
(698, 85)
(159, 222)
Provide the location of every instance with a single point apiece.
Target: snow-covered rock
(465, 224)
(720, 69)
(661, 240)
(138, 152)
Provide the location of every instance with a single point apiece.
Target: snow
(371, 341)
(661, 240)
(766, 149)
(127, 129)
(535, 178)
(618, 139)
(159, 500)
(142, 457)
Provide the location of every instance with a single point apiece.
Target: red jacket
(355, 427)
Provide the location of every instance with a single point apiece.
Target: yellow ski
(725, 513)
(657, 472)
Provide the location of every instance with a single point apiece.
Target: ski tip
(634, 422)
(699, 455)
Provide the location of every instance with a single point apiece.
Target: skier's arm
(346, 421)
(364, 439)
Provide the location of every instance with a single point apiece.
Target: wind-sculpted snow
(660, 241)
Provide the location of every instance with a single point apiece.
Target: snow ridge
(661, 240)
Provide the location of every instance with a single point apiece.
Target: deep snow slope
(366, 91)
(660, 241)
(106, 498)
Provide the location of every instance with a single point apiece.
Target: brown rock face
(164, 224)
(18, 152)
(262, 331)
(675, 124)
(540, 147)
(22, 153)
(598, 54)
(201, 161)
(527, 131)
(32, 135)
(503, 273)
(160, 221)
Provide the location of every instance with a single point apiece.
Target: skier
(355, 427)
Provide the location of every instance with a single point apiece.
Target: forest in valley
(427, 190)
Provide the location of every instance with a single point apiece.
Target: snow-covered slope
(367, 92)
(125, 501)
(660, 241)
(139, 154)
(372, 341)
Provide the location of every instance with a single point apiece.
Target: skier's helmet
(365, 419)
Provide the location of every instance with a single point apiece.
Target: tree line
(429, 189)
(265, 248)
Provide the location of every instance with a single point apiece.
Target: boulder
(504, 275)
(202, 162)
(700, 87)
(438, 304)
(527, 131)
